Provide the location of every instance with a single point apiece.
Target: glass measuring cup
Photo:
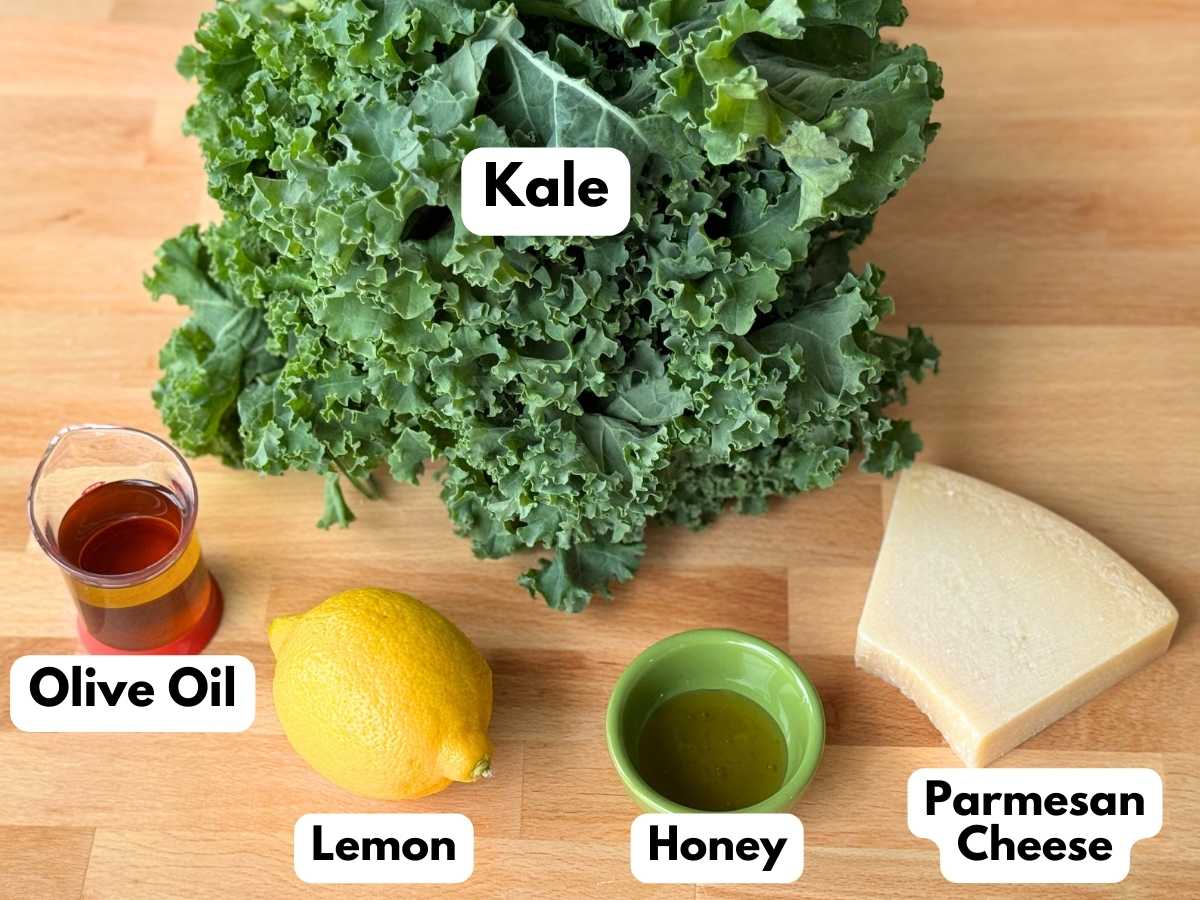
(115, 508)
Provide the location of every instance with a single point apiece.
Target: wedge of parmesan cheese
(996, 616)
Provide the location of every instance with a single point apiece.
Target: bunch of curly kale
(719, 349)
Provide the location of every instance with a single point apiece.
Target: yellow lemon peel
(382, 695)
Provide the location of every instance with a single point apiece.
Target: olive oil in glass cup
(115, 509)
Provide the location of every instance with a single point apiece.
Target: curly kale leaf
(218, 352)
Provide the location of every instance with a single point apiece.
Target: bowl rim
(813, 746)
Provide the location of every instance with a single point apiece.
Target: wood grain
(1050, 245)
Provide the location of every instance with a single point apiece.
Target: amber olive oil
(712, 750)
(124, 527)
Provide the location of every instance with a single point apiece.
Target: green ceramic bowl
(717, 659)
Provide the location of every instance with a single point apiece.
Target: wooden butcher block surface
(1051, 246)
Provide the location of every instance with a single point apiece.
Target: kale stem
(366, 486)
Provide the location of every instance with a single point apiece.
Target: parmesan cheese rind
(998, 617)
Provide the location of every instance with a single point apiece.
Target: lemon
(382, 695)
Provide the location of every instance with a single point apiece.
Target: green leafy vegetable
(720, 350)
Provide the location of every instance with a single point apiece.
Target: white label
(716, 848)
(132, 693)
(545, 191)
(383, 848)
(1035, 826)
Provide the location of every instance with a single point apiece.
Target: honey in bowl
(712, 750)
